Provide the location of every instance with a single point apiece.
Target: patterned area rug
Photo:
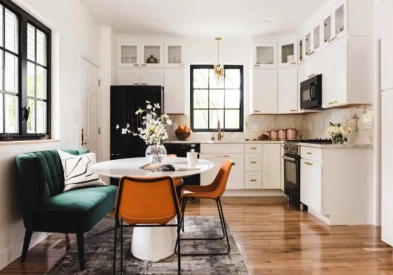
(99, 252)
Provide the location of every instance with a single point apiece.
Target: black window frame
(241, 107)
(24, 19)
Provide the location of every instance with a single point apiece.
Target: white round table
(150, 243)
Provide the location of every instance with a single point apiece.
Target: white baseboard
(11, 253)
(253, 193)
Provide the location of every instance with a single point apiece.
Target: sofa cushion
(76, 210)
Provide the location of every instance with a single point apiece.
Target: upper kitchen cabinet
(265, 55)
(347, 72)
(174, 90)
(287, 90)
(173, 54)
(140, 77)
(140, 54)
(264, 94)
(387, 45)
(287, 54)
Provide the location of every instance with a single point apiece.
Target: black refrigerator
(125, 101)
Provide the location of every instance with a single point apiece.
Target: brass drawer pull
(253, 180)
(227, 156)
(311, 53)
(256, 111)
(332, 39)
(145, 84)
(311, 75)
(144, 65)
(332, 102)
(136, 64)
(253, 148)
(292, 63)
(218, 156)
(293, 110)
(309, 153)
(256, 66)
(253, 162)
(309, 163)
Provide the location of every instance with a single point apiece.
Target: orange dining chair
(145, 202)
(212, 191)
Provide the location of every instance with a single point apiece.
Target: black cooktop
(317, 140)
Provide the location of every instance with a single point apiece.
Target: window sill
(24, 142)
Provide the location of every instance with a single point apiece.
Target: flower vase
(338, 139)
(155, 153)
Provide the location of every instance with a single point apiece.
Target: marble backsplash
(307, 125)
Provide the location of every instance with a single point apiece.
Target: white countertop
(335, 146)
(225, 141)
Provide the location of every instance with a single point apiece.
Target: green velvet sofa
(46, 208)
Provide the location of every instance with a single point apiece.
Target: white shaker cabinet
(264, 91)
(129, 77)
(174, 89)
(152, 77)
(208, 176)
(271, 166)
(387, 172)
(236, 177)
(287, 90)
(140, 77)
(311, 184)
(387, 45)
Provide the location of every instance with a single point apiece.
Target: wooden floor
(273, 238)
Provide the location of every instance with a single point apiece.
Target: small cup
(192, 158)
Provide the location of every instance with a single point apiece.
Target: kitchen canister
(291, 134)
(282, 134)
(273, 135)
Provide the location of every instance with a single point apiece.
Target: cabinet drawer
(253, 148)
(253, 180)
(222, 148)
(253, 162)
(311, 153)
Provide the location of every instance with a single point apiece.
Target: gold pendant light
(218, 70)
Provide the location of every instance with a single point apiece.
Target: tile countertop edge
(336, 146)
(225, 141)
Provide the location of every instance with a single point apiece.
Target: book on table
(164, 167)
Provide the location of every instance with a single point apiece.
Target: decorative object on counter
(265, 135)
(218, 70)
(183, 133)
(291, 134)
(273, 135)
(151, 60)
(339, 132)
(153, 131)
(282, 134)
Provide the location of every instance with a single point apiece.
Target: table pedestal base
(153, 243)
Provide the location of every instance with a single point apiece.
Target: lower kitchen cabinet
(208, 176)
(311, 184)
(253, 180)
(271, 167)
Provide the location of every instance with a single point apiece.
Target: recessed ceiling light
(264, 22)
(160, 21)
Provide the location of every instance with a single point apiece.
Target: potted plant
(339, 132)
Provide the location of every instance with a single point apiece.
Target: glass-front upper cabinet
(287, 53)
(140, 54)
(152, 54)
(128, 55)
(335, 22)
(173, 54)
(265, 55)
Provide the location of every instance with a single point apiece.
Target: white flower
(169, 122)
(148, 107)
(157, 105)
(117, 126)
(148, 102)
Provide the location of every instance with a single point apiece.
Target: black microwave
(311, 93)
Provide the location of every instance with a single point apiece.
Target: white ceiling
(201, 17)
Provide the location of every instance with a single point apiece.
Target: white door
(208, 176)
(236, 177)
(287, 90)
(174, 90)
(387, 171)
(264, 91)
(129, 77)
(90, 108)
(152, 77)
(271, 166)
(387, 45)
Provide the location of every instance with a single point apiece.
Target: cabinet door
(265, 55)
(152, 77)
(287, 54)
(387, 45)
(129, 54)
(253, 180)
(271, 166)
(208, 176)
(329, 81)
(236, 177)
(315, 185)
(174, 54)
(305, 175)
(341, 58)
(253, 162)
(129, 77)
(174, 89)
(265, 91)
(387, 172)
(152, 51)
(282, 182)
(287, 90)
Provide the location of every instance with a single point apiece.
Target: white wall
(75, 34)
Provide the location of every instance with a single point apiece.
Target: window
(212, 100)
(24, 75)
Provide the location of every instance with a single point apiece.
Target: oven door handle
(288, 158)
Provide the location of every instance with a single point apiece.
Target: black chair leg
(178, 254)
(224, 227)
(81, 250)
(183, 209)
(26, 243)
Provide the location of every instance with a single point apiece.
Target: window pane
(201, 78)
(214, 83)
(11, 73)
(232, 78)
(11, 115)
(216, 99)
(216, 115)
(1, 113)
(31, 43)
(41, 48)
(41, 117)
(232, 99)
(1, 70)
(41, 82)
(201, 98)
(232, 118)
(32, 116)
(30, 79)
(11, 31)
(200, 119)
(1, 26)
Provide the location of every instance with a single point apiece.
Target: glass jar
(155, 153)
